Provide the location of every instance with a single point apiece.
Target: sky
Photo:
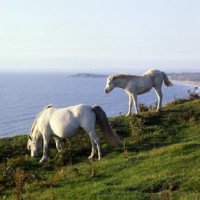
(99, 36)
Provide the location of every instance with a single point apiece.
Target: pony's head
(109, 85)
(34, 145)
(117, 80)
(34, 141)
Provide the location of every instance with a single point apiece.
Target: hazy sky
(99, 35)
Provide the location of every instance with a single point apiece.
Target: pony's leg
(45, 148)
(132, 99)
(58, 144)
(130, 105)
(135, 104)
(160, 96)
(93, 150)
(95, 140)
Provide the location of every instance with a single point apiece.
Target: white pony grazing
(66, 123)
(135, 85)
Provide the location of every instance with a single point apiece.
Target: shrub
(193, 94)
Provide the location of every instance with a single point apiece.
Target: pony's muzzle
(106, 91)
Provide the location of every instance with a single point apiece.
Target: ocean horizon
(24, 95)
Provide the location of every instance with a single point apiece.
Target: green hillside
(160, 160)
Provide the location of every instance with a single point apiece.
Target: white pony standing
(135, 85)
(68, 122)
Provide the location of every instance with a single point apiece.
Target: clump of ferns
(143, 108)
(126, 152)
(66, 155)
(152, 108)
(92, 171)
(193, 124)
(19, 176)
(8, 168)
(170, 118)
(53, 182)
(24, 180)
(81, 141)
(136, 130)
(137, 121)
(177, 101)
(193, 94)
(183, 117)
(198, 106)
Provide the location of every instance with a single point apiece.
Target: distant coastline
(188, 78)
(88, 75)
(195, 83)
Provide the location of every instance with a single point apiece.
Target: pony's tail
(102, 121)
(167, 82)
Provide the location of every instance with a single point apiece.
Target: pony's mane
(121, 75)
(35, 121)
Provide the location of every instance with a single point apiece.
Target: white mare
(135, 85)
(68, 122)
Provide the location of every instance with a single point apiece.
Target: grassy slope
(159, 160)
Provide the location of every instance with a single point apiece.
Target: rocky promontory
(88, 75)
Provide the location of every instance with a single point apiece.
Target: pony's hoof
(43, 160)
(128, 114)
(90, 157)
(100, 156)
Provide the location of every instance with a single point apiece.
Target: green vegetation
(160, 160)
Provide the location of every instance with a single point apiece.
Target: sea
(24, 95)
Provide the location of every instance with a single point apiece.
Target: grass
(159, 160)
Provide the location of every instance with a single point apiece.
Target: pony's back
(157, 74)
